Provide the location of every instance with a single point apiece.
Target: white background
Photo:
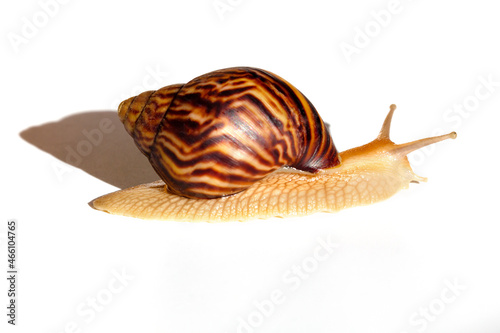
(393, 261)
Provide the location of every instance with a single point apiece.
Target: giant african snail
(242, 143)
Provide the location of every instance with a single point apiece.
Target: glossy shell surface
(221, 132)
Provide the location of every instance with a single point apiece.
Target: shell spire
(142, 114)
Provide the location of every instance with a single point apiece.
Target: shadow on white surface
(96, 143)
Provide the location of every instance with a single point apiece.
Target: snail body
(242, 143)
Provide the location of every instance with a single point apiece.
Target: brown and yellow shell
(223, 131)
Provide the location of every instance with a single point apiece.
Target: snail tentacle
(386, 126)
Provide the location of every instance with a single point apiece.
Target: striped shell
(223, 131)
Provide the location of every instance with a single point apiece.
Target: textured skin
(368, 174)
(221, 132)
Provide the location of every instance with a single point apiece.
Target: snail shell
(221, 132)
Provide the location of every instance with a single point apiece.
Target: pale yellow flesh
(280, 194)
(368, 174)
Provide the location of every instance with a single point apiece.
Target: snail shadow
(96, 143)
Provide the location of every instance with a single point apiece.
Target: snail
(242, 143)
